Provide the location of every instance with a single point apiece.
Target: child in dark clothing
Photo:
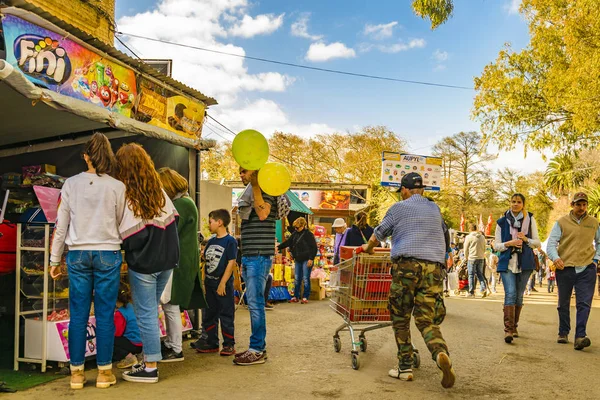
(220, 255)
(128, 340)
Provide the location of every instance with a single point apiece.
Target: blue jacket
(526, 258)
(355, 238)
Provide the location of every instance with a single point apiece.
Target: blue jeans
(302, 276)
(97, 273)
(584, 284)
(145, 293)
(514, 287)
(476, 267)
(255, 270)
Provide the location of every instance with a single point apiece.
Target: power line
(209, 116)
(127, 47)
(332, 71)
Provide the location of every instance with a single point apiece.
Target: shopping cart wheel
(337, 344)
(355, 361)
(363, 343)
(416, 360)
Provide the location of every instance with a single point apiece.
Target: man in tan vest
(574, 247)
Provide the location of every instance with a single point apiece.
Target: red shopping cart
(361, 288)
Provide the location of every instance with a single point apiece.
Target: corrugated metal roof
(111, 51)
(297, 204)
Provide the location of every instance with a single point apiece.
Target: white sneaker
(402, 374)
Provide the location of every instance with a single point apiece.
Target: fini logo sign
(42, 58)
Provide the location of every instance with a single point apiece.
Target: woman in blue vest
(516, 237)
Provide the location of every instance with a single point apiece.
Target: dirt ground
(303, 365)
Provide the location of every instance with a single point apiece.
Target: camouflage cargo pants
(417, 289)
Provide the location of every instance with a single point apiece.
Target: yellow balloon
(250, 149)
(274, 179)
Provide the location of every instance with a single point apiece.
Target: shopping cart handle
(359, 250)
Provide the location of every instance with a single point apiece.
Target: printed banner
(62, 65)
(161, 107)
(395, 165)
(90, 346)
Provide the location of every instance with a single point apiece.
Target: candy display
(59, 315)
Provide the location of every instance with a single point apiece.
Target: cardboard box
(317, 292)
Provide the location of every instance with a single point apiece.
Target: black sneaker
(171, 356)
(139, 375)
(202, 347)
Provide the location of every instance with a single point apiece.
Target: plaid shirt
(415, 226)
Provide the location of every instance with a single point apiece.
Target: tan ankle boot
(77, 377)
(105, 377)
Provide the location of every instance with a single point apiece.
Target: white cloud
(381, 31)
(516, 159)
(208, 24)
(512, 7)
(398, 47)
(320, 52)
(261, 25)
(266, 116)
(300, 28)
(204, 23)
(440, 56)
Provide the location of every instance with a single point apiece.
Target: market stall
(58, 86)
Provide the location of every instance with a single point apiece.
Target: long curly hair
(143, 189)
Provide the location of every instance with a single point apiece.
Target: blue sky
(386, 39)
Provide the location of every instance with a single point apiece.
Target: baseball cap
(579, 196)
(339, 223)
(412, 181)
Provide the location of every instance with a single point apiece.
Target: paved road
(303, 365)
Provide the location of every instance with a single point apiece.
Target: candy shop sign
(62, 65)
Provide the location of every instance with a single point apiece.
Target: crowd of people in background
(122, 202)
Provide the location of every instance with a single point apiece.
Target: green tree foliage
(548, 95)
(437, 11)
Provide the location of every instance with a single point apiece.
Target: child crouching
(128, 340)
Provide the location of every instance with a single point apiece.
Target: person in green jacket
(184, 291)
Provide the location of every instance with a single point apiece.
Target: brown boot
(509, 323)
(77, 377)
(105, 377)
(517, 315)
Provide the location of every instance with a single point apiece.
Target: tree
(218, 163)
(547, 95)
(561, 175)
(466, 176)
(437, 11)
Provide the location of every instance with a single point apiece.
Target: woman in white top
(516, 237)
(91, 208)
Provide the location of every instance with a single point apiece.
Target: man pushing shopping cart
(418, 267)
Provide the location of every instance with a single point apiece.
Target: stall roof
(297, 204)
(30, 113)
(111, 51)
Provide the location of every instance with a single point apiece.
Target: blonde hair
(172, 182)
(299, 223)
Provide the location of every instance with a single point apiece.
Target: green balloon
(250, 149)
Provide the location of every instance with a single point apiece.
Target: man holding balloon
(257, 208)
